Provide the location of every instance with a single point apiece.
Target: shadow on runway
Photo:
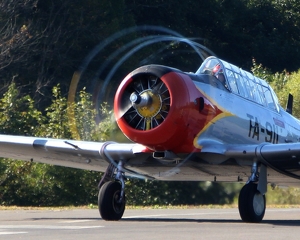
(270, 222)
(291, 223)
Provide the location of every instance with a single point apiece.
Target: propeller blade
(126, 104)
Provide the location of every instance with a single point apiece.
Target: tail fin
(289, 105)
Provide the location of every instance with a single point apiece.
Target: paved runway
(85, 224)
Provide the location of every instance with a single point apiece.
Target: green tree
(26, 183)
(18, 114)
(18, 183)
(291, 86)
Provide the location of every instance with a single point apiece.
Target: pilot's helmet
(216, 69)
(218, 73)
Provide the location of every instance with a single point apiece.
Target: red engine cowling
(158, 107)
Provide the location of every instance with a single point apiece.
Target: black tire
(109, 207)
(252, 204)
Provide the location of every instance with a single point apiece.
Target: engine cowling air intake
(157, 106)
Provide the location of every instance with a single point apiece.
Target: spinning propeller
(148, 103)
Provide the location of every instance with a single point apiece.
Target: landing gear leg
(111, 198)
(252, 202)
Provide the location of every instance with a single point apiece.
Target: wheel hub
(258, 203)
(117, 205)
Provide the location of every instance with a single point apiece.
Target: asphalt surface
(86, 224)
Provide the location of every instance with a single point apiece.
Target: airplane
(219, 124)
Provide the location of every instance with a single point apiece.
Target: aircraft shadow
(291, 223)
(271, 222)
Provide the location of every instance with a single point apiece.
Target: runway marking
(203, 213)
(181, 214)
(11, 233)
(282, 210)
(51, 227)
(76, 221)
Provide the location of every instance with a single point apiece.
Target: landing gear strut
(111, 198)
(252, 200)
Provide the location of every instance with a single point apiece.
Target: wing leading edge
(69, 153)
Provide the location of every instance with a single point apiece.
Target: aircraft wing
(76, 154)
(283, 158)
(96, 156)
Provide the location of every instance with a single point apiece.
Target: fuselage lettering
(270, 132)
(254, 127)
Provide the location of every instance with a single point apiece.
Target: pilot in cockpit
(219, 74)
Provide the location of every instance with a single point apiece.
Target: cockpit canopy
(240, 82)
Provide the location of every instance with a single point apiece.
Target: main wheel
(252, 204)
(108, 201)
